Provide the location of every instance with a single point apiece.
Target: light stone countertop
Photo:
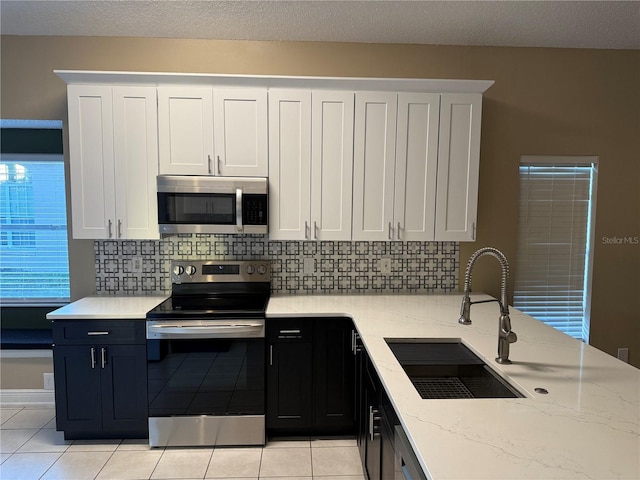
(586, 427)
(107, 308)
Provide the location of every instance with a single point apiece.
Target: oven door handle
(204, 330)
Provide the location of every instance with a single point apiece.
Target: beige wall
(544, 101)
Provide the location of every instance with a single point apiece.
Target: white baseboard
(16, 397)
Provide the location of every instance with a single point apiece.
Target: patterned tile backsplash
(298, 267)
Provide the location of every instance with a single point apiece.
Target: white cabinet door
(91, 161)
(136, 162)
(289, 164)
(240, 132)
(185, 130)
(332, 165)
(458, 167)
(373, 165)
(416, 166)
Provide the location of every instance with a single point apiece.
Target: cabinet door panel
(416, 166)
(374, 163)
(240, 131)
(124, 389)
(136, 162)
(332, 165)
(77, 392)
(185, 130)
(289, 164)
(458, 167)
(91, 161)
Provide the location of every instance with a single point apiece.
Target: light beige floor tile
(288, 442)
(46, 440)
(286, 478)
(51, 424)
(77, 466)
(12, 440)
(340, 477)
(7, 413)
(234, 462)
(4, 456)
(336, 461)
(27, 466)
(278, 462)
(30, 418)
(94, 446)
(137, 444)
(183, 463)
(321, 442)
(130, 465)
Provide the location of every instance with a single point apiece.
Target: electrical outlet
(623, 354)
(136, 264)
(385, 265)
(309, 265)
(48, 381)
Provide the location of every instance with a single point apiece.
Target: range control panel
(205, 271)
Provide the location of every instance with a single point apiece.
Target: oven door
(206, 383)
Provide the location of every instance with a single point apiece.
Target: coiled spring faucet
(505, 335)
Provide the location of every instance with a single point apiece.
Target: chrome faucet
(505, 335)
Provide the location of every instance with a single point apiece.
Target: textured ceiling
(572, 24)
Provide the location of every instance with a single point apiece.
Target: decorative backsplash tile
(298, 267)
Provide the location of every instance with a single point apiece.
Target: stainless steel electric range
(206, 355)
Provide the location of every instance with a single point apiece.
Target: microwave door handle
(239, 225)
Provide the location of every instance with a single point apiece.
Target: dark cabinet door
(124, 390)
(333, 375)
(77, 390)
(289, 376)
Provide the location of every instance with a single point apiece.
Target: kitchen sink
(440, 370)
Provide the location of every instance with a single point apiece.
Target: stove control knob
(178, 270)
(251, 269)
(262, 269)
(191, 270)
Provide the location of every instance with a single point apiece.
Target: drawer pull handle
(294, 332)
(93, 358)
(97, 333)
(103, 357)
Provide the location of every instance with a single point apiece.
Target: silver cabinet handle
(315, 230)
(119, 228)
(218, 164)
(209, 163)
(398, 233)
(103, 357)
(110, 232)
(390, 231)
(473, 230)
(373, 418)
(296, 331)
(306, 230)
(97, 333)
(93, 358)
(239, 225)
(270, 355)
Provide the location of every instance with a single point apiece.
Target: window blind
(552, 275)
(34, 261)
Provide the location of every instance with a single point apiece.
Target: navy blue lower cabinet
(310, 376)
(100, 388)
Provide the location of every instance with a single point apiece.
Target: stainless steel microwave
(200, 204)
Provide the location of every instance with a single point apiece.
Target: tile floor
(31, 448)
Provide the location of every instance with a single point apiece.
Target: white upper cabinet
(240, 132)
(331, 165)
(310, 164)
(212, 131)
(458, 167)
(374, 165)
(416, 166)
(289, 164)
(185, 130)
(113, 161)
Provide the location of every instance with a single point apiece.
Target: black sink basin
(441, 370)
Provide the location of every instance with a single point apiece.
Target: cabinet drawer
(79, 332)
(290, 330)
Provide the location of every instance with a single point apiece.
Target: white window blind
(554, 232)
(34, 261)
